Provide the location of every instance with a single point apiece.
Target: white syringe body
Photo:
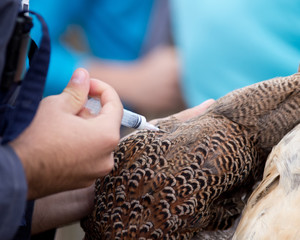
(129, 119)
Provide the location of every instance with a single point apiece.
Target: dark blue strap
(31, 90)
(20, 112)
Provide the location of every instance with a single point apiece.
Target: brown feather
(195, 176)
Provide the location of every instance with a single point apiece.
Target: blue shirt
(114, 30)
(226, 45)
(13, 192)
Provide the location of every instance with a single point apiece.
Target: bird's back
(195, 175)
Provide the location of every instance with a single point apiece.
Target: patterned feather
(273, 210)
(197, 175)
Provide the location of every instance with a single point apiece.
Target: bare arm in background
(148, 85)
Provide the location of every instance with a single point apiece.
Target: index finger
(110, 101)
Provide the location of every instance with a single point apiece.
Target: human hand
(189, 113)
(194, 111)
(65, 147)
(183, 115)
(67, 207)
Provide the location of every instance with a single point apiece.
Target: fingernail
(78, 76)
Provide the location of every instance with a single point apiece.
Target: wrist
(22, 155)
(36, 169)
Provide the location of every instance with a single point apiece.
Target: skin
(67, 207)
(61, 209)
(65, 147)
(150, 83)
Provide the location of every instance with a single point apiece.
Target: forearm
(150, 85)
(62, 209)
(122, 76)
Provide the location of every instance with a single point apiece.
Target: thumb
(76, 92)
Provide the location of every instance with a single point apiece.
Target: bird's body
(273, 209)
(195, 176)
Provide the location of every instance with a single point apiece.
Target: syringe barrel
(132, 120)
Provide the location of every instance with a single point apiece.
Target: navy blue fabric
(9, 11)
(31, 92)
(13, 186)
(26, 105)
(13, 192)
(16, 115)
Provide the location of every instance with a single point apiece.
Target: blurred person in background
(124, 43)
(224, 45)
(221, 46)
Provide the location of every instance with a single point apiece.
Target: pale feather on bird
(273, 209)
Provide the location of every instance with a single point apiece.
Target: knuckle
(115, 138)
(107, 166)
(75, 95)
(49, 100)
(112, 139)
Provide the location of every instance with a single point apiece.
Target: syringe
(130, 119)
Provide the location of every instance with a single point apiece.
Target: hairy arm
(65, 147)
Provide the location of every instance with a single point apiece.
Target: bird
(193, 176)
(273, 210)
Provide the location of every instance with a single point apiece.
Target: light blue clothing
(226, 45)
(115, 30)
